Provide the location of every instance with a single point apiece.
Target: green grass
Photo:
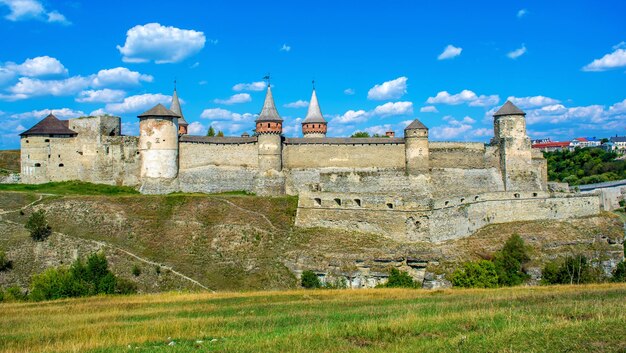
(522, 319)
(71, 188)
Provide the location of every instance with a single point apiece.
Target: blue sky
(377, 65)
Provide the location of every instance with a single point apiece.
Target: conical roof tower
(175, 107)
(314, 124)
(269, 121)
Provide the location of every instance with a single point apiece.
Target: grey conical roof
(314, 115)
(175, 107)
(416, 125)
(509, 109)
(159, 110)
(49, 125)
(269, 112)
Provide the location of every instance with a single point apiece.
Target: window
(462, 199)
(476, 198)
(534, 194)
(516, 195)
(37, 164)
(357, 202)
(61, 165)
(46, 140)
(26, 141)
(338, 202)
(318, 202)
(446, 203)
(390, 206)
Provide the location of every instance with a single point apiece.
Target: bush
(399, 279)
(14, 293)
(136, 271)
(510, 260)
(572, 270)
(338, 283)
(479, 274)
(619, 274)
(38, 226)
(310, 280)
(5, 263)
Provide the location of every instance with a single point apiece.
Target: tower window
(357, 202)
(390, 206)
(37, 164)
(61, 165)
(516, 195)
(338, 202)
(534, 194)
(318, 201)
(46, 140)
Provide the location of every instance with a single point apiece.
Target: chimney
(390, 134)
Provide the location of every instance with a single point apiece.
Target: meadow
(588, 318)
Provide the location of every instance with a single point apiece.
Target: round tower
(269, 127)
(314, 124)
(158, 143)
(509, 125)
(416, 148)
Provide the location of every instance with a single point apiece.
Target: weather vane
(267, 78)
(174, 83)
(313, 82)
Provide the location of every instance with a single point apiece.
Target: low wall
(412, 219)
(357, 155)
(466, 155)
(193, 155)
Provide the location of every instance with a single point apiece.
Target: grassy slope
(9, 161)
(531, 319)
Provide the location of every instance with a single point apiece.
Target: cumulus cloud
(521, 13)
(254, 86)
(393, 89)
(21, 10)
(196, 128)
(429, 109)
(613, 60)
(393, 108)
(234, 99)
(223, 114)
(100, 96)
(119, 76)
(464, 97)
(534, 101)
(348, 91)
(450, 52)
(351, 117)
(517, 52)
(138, 103)
(35, 67)
(161, 44)
(62, 113)
(285, 47)
(452, 130)
(297, 104)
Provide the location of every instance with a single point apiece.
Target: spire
(269, 112)
(175, 107)
(509, 109)
(314, 115)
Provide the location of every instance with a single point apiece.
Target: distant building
(544, 140)
(619, 143)
(584, 142)
(551, 146)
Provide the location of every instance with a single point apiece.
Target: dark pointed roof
(314, 115)
(50, 125)
(159, 110)
(509, 109)
(269, 112)
(415, 125)
(175, 107)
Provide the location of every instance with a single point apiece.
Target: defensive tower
(314, 125)
(175, 107)
(515, 147)
(269, 129)
(158, 143)
(416, 148)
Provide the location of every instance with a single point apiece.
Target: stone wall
(305, 156)
(465, 155)
(419, 219)
(194, 155)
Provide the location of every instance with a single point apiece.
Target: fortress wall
(194, 155)
(466, 155)
(304, 156)
(459, 181)
(46, 159)
(212, 179)
(412, 221)
(116, 161)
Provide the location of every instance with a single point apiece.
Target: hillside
(9, 161)
(529, 319)
(584, 166)
(238, 242)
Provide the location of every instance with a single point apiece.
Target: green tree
(5, 263)
(509, 262)
(361, 134)
(571, 270)
(479, 274)
(220, 133)
(400, 279)
(619, 274)
(136, 271)
(211, 131)
(310, 280)
(38, 226)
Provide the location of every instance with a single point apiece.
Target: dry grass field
(524, 319)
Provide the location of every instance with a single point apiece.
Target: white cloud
(119, 76)
(21, 10)
(161, 44)
(292, 126)
(196, 128)
(194, 65)
(393, 108)
(297, 104)
(100, 96)
(517, 52)
(98, 112)
(450, 52)
(38, 66)
(28, 87)
(465, 96)
(531, 102)
(452, 130)
(63, 113)
(285, 47)
(351, 116)
(378, 129)
(393, 89)
(521, 13)
(254, 86)
(138, 103)
(348, 91)
(234, 99)
(223, 114)
(618, 108)
(429, 109)
(614, 60)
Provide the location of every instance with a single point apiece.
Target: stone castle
(409, 188)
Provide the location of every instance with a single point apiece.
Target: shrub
(14, 293)
(479, 274)
(310, 280)
(399, 279)
(55, 283)
(136, 271)
(38, 226)
(338, 283)
(125, 286)
(5, 263)
(510, 260)
(572, 270)
(619, 274)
